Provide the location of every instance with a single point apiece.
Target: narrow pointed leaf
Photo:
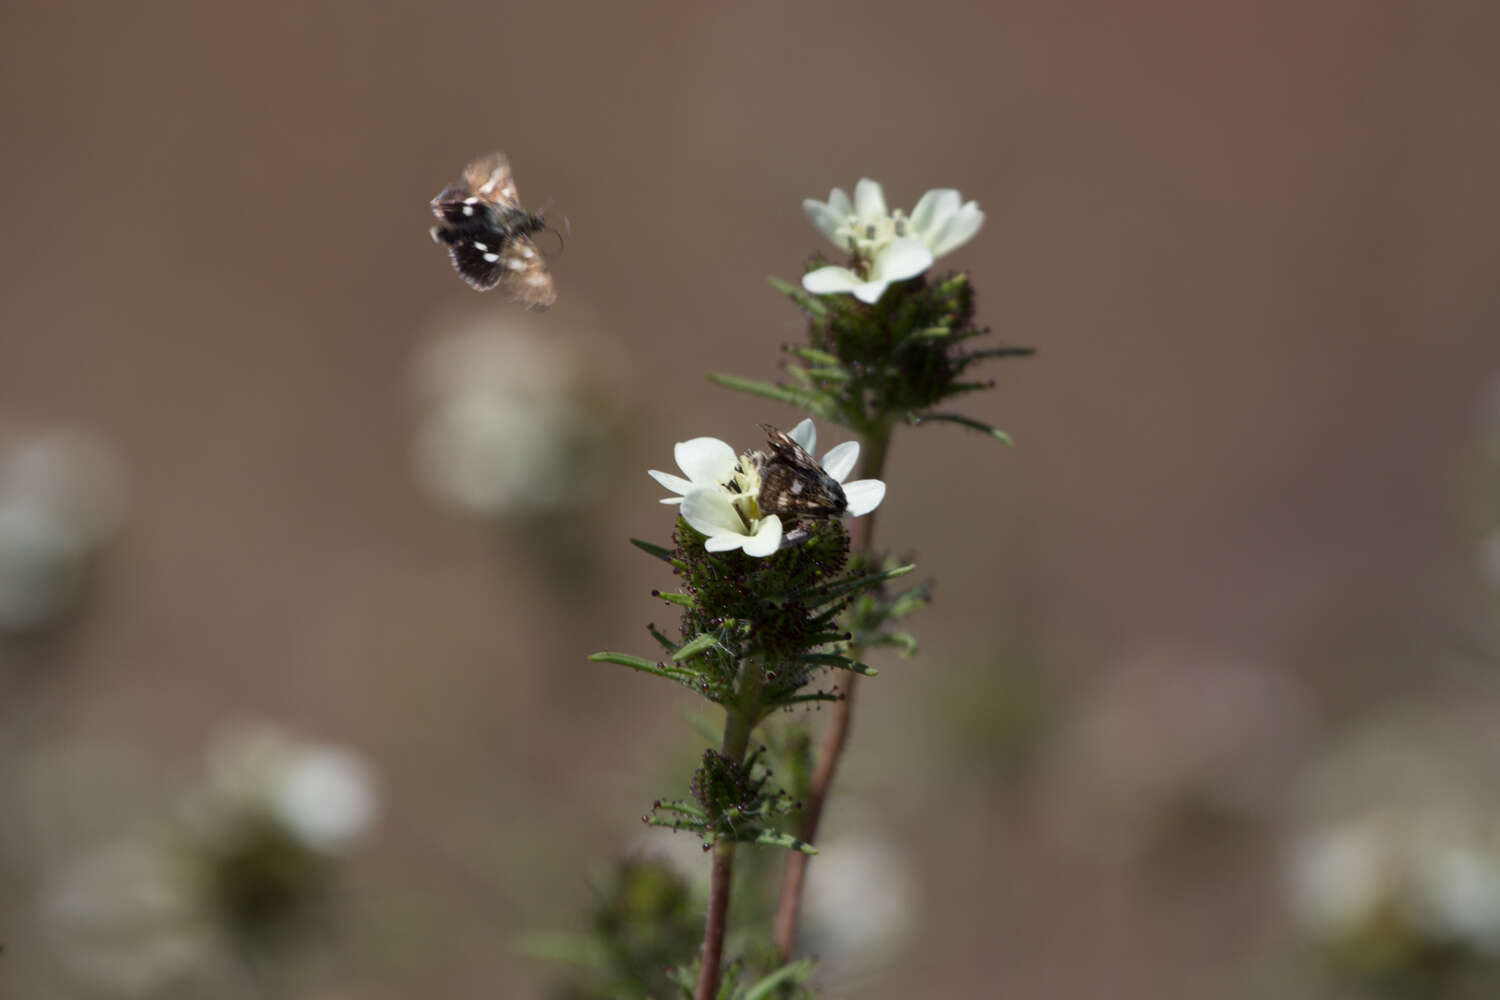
(661, 637)
(695, 646)
(840, 663)
(1004, 352)
(968, 422)
(864, 582)
(778, 838)
(681, 600)
(814, 356)
(644, 666)
(787, 975)
(807, 302)
(803, 398)
(651, 549)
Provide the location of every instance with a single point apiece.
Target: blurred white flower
(326, 796)
(889, 245)
(323, 797)
(506, 427)
(719, 497)
(858, 910)
(127, 920)
(62, 496)
(1399, 855)
(1167, 738)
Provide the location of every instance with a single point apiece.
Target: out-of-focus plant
(202, 902)
(62, 497)
(772, 593)
(1393, 876)
(513, 425)
(1170, 744)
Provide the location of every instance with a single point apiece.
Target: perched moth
(792, 482)
(488, 234)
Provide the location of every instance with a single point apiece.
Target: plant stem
(718, 913)
(739, 719)
(875, 446)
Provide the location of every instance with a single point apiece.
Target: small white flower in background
(62, 496)
(506, 428)
(1400, 853)
(326, 797)
(859, 910)
(890, 245)
(323, 797)
(127, 920)
(720, 495)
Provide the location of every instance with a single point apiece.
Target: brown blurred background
(1256, 248)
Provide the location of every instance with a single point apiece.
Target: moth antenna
(561, 243)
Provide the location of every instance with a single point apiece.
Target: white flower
(326, 796)
(719, 497)
(505, 430)
(890, 245)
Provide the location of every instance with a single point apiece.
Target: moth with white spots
(488, 233)
(792, 483)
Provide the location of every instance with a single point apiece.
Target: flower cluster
(721, 495)
(233, 870)
(887, 245)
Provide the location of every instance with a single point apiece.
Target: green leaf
(802, 398)
(683, 807)
(794, 972)
(827, 374)
(904, 641)
(674, 823)
(798, 699)
(665, 555)
(779, 838)
(806, 301)
(1004, 352)
(661, 637)
(644, 666)
(681, 600)
(843, 587)
(840, 663)
(968, 422)
(817, 357)
(695, 646)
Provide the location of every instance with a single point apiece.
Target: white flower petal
(904, 258)
(676, 484)
(706, 460)
(839, 203)
(804, 434)
(863, 495)
(825, 216)
(724, 543)
(870, 291)
(869, 200)
(710, 512)
(957, 230)
(933, 210)
(829, 280)
(839, 461)
(767, 537)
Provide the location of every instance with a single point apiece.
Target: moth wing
(489, 179)
(524, 274)
(482, 269)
